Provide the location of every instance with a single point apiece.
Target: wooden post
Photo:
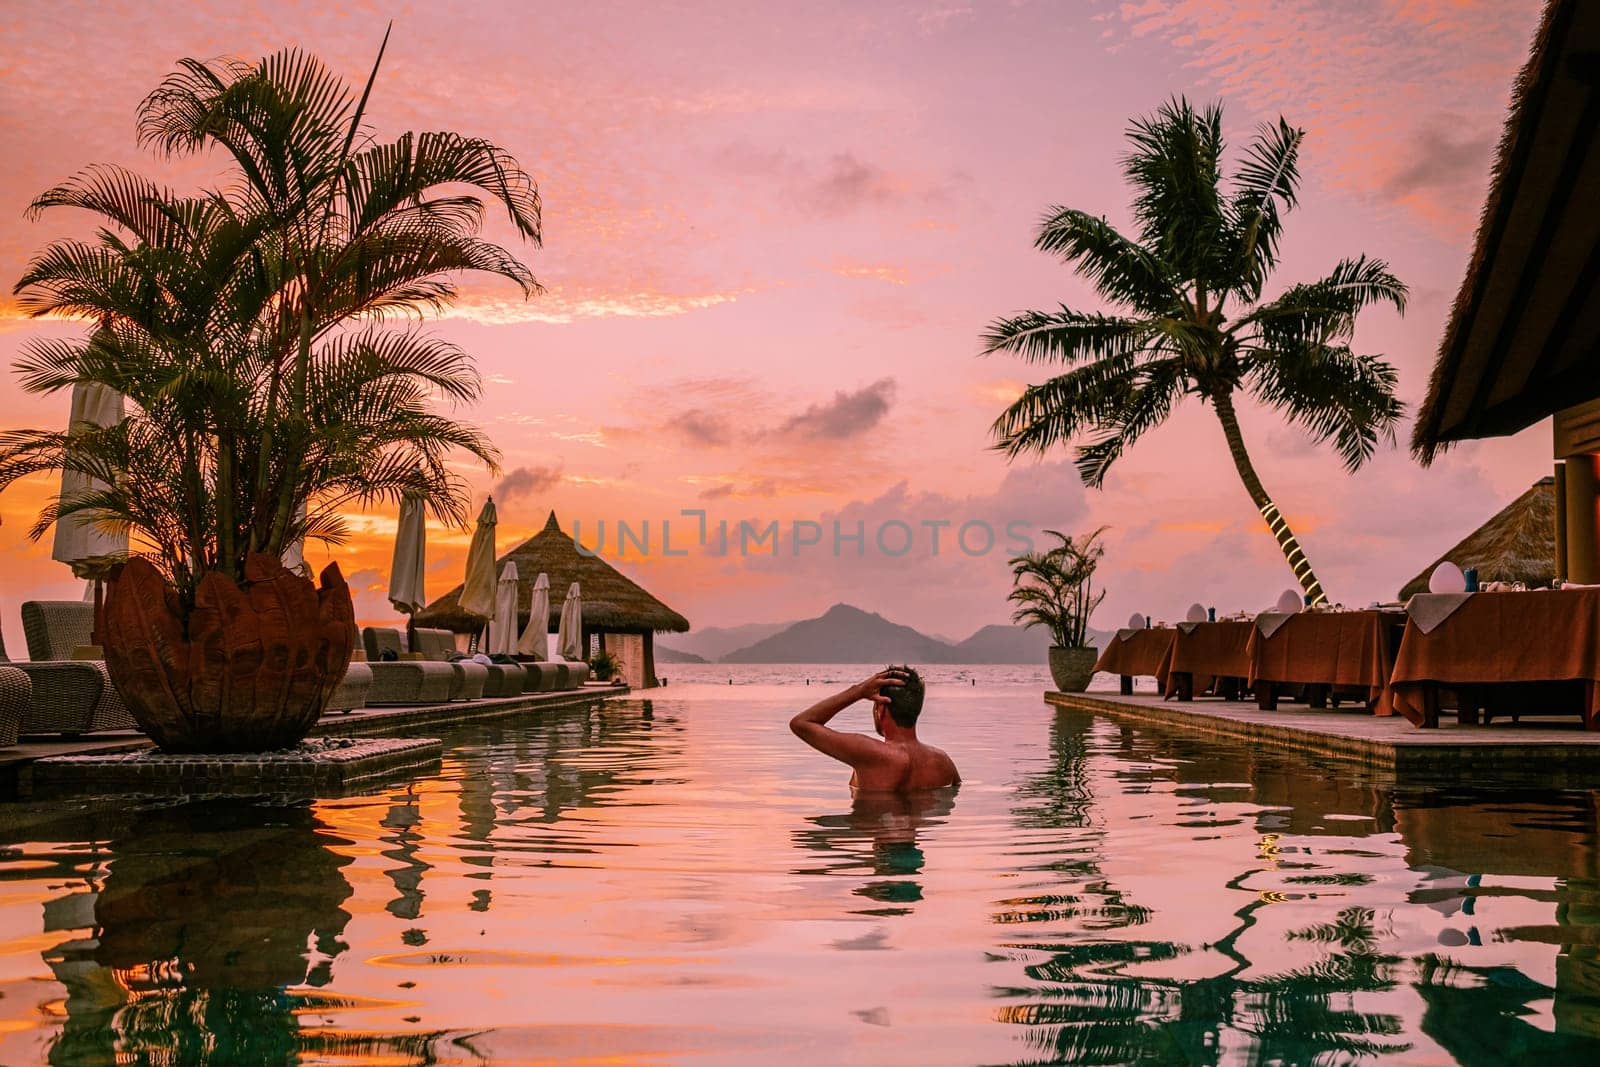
(1583, 538)
(1561, 521)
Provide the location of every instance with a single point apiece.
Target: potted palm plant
(1055, 589)
(245, 326)
(604, 666)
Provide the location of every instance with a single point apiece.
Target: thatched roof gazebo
(612, 603)
(1517, 545)
(1523, 340)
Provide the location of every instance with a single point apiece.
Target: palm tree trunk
(1287, 543)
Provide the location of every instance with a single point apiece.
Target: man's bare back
(900, 762)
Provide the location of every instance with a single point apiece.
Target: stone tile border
(17, 764)
(335, 767)
(369, 722)
(1480, 755)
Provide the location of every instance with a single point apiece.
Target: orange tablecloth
(1143, 653)
(1342, 649)
(1540, 636)
(1213, 650)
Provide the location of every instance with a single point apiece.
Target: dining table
(1141, 652)
(1525, 652)
(1327, 653)
(1209, 654)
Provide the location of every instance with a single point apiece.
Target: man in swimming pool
(900, 763)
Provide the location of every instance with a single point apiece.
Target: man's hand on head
(872, 688)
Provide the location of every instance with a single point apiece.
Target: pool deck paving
(1552, 750)
(17, 761)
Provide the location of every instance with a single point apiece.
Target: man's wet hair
(905, 700)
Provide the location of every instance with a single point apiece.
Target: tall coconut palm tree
(1188, 316)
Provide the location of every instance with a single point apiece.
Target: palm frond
(1266, 186)
(1119, 269)
(1066, 336)
(1336, 395)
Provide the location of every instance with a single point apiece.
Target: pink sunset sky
(774, 234)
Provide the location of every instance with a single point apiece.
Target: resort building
(618, 615)
(1523, 342)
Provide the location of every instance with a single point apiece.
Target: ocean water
(673, 878)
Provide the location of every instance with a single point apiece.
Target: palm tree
(246, 326)
(1189, 318)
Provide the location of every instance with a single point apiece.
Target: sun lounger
(577, 675)
(502, 679)
(403, 681)
(16, 696)
(70, 697)
(470, 676)
(354, 690)
(543, 677)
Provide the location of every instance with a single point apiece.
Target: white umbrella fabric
(78, 539)
(294, 554)
(410, 553)
(477, 591)
(503, 631)
(569, 635)
(535, 640)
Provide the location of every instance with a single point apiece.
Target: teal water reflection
(676, 880)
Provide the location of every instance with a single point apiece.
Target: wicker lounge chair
(354, 689)
(577, 673)
(16, 696)
(501, 679)
(436, 646)
(70, 697)
(544, 676)
(403, 681)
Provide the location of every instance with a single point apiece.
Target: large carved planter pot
(254, 668)
(1072, 668)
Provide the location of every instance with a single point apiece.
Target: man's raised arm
(811, 725)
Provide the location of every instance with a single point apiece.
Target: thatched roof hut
(611, 602)
(1523, 341)
(1517, 545)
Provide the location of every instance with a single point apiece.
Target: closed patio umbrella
(410, 555)
(569, 635)
(477, 591)
(503, 631)
(80, 542)
(535, 640)
(406, 591)
(294, 554)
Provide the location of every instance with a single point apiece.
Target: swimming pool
(678, 880)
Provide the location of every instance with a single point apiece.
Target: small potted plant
(604, 666)
(1054, 589)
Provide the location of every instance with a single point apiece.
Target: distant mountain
(1004, 644)
(672, 655)
(845, 634)
(714, 642)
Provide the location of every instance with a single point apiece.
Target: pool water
(678, 880)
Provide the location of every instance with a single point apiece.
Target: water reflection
(878, 836)
(188, 946)
(1320, 954)
(676, 882)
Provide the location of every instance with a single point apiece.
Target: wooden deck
(1545, 750)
